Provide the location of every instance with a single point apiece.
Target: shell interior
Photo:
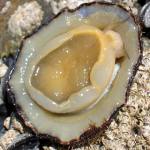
(70, 126)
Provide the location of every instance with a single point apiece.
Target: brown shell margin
(86, 137)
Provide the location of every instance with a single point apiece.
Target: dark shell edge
(86, 137)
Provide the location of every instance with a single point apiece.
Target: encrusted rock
(129, 4)
(60, 4)
(6, 7)
(7, 139)
(26, 18)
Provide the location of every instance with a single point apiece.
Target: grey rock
(145, 15)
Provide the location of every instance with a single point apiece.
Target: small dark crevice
(143, 2)
(136, 130)
(9, 60)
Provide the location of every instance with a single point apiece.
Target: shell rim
(93, 131)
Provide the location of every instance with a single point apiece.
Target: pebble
(145, 15)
